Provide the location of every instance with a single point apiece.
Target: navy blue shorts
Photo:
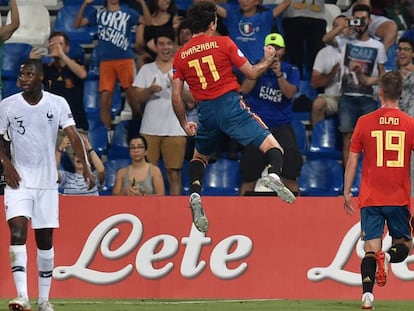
(374, 218)
(228, 114)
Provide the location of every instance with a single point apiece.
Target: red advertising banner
(256, 247)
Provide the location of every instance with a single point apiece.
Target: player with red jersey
(386, 138)
(205, 62)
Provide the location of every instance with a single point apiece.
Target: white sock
(194, 195)
(45, 259)
(18, 257)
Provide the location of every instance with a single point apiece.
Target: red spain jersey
(206, 63)
(386, 137)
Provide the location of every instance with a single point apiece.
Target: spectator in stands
(380, 27)
(248, 23)
(160, 127)
(7, 30)
(73, 182)
(304, 25)
(361, 66)
(325, 74)
(270, 97)
(184, 32)
(64, 76)
(115, 23)
(405, 55)
(140, 178)
(164, 15)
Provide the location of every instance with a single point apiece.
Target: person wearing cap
(270, 97)
(205, 63)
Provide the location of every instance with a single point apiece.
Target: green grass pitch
(216, 305)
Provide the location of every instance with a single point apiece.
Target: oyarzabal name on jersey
(199, 48)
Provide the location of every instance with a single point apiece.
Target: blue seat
(9, 88)
(185, 177)
(306, 89)
(93, 68)
(76, 52)
(64, 22)
(164, 176)
(326, 140)
(357, 179)
(91, 98)
(301, 136)
(391, 63)
(79, 2)
(14, 54)
(321, 177)
(111, 168)
(222, 178)
(98, 135)
(120, 145)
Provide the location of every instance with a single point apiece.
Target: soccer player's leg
(205, 144)
(399, 222)
(241, 124)
(372, 228)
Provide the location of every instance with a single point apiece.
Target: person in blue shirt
(248, 23)
(270, 97)
(115, 23)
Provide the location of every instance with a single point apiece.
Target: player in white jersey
(32, 119)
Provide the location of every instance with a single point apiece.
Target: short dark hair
(361, 7)
(167, 32)
(201, 15)
(37, 63)
(407, 40)
(392, 85)
(60, 34)
(184, 24)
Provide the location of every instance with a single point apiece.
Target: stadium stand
(321, 177)
(98, 135)
(34, 26)
(14, 54)
(325, 141)
(111, 167)
(301, 136)
(64, 22)
(222, 178)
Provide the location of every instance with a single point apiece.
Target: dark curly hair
(201, 15)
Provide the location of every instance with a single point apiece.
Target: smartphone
(42, 51)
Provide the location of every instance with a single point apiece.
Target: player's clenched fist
(190, 128)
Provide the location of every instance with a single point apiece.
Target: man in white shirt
(325, 74)
(362, 63)
(159, 125)
(32, 119)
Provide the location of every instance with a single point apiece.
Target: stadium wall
(256, 248)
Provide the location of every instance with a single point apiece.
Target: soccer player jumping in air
(205, 63)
